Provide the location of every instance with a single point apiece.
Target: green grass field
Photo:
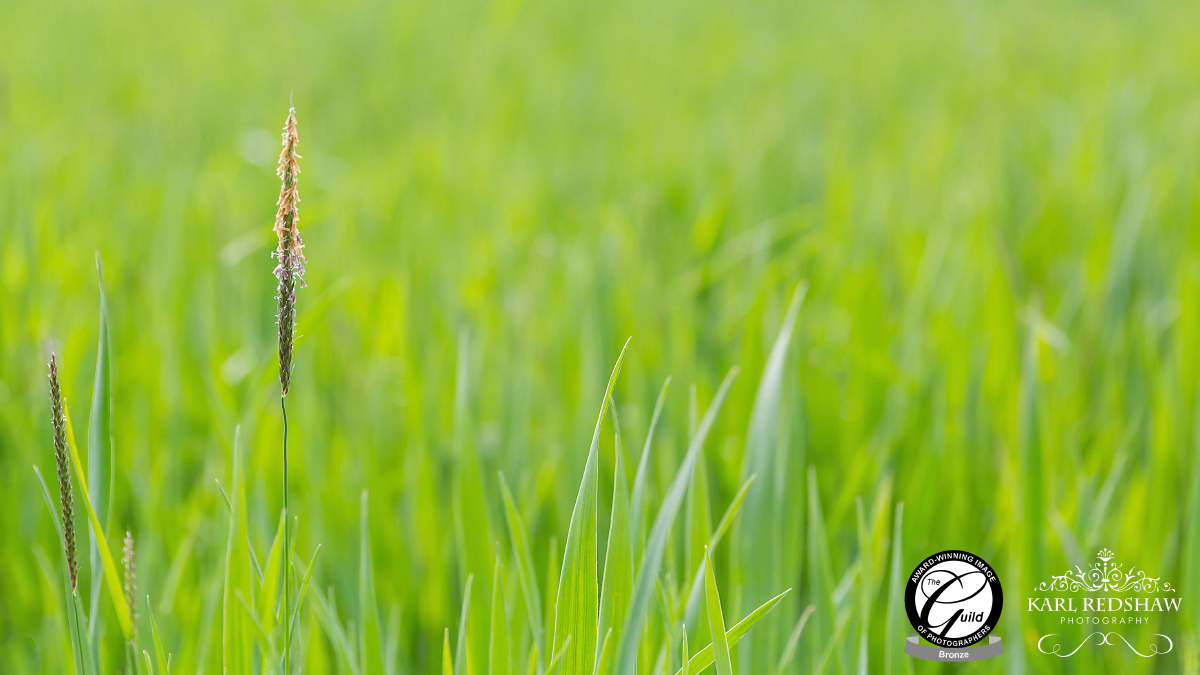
(981, 216)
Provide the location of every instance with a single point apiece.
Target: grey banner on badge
(913, 647)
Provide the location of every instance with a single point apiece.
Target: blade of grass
(697, 532)
(684, 670)
(704, 658)
(100, 451)
(175, 571)
(761, 531)
(637, 500)
(270, 587)
(303, 589)
(472, 528)
(163, 665)
(578, 606)
(525, 572)
(80, 654)
(551, 586)
(656, 544)
(370, 640)
(604, 657)
(896, 583)
(866, 594)
(106, 559)
(499, 655)
(665, 608)
(693, 601)
(237, 639)
(618, 558)
(259, 632)
(224, 496)
(1191, 539)
(534, 660)
(716, 619)
(557, 661)
(327, 615)
(391, 648)
(830, 647)
(790, 649)
(447, 662)
(460, 649)
(1029, 452)
(820, 572)
(254, 566)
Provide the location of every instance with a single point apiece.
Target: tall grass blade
(525, 571)
(557, 661)
(100, 451)
(160, 655)
(471, 522)
(604, 658)
(81, 650)
(269, 595)
(1029, 449)
(551, 587)
(697, 533)
(460, 648)
(716, 619)
(1191, 545)
(637, 500)
(105, 554)
(618, 558)
(893, 630)
(447, 662)
(697, 586)
(346, 653)
(820, 575)
(534, 661)
(866, 594)
(789, 650)
(698, 529)
(761, 528)
(391, 647)
(704, 658)
(237, 638)
(499, 652)
(312, 563)
(684, 649)
(370, 637)
(578, 607)
(656, 543)
(831, 647)
(259, 632)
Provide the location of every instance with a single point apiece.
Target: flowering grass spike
(58, 418)
(290, 252)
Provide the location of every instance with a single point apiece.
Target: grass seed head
(127, 558)
(290, 252)
(58, 419)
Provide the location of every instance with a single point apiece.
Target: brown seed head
(58, 419)
(290, 251)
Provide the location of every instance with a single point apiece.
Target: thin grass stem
(287, 629)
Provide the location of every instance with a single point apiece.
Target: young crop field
(543, 337)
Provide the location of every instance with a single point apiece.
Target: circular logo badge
(953, 599)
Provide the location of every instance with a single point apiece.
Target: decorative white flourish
(1104, 637)
(1104, 576)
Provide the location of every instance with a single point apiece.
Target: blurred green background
(993, 205)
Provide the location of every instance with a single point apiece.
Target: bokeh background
(993, 207)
